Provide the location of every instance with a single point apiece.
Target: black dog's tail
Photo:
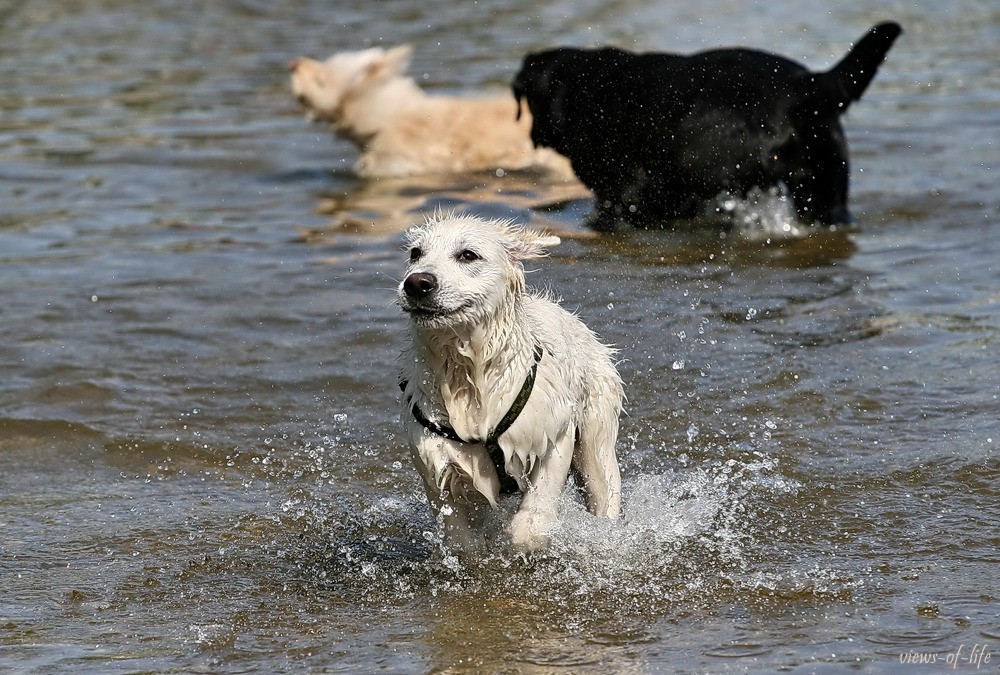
(846, 82)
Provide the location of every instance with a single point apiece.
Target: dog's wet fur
(658, 136)
(476, 332)
(401, 131)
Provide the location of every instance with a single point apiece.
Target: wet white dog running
(505, 391)
(401, 131)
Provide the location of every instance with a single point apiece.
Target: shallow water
(200, 467)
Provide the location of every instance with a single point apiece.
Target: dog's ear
(526, 85)
(518, 95)
(540, 84)
(398, 58)
(527, 244)
(519, 86)
(393, 62)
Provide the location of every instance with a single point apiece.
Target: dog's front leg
(539, 509)
(454, 515)
(432, 463)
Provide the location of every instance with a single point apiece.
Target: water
(200, 461)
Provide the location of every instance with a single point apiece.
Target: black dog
(659, 136)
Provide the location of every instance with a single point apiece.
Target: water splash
(688, 536)
(705, 513)
(763, 215)
(703, 532)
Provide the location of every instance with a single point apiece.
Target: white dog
(401, 131)
(505, 391)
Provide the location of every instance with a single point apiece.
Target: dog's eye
(468, 255)
(415, 254)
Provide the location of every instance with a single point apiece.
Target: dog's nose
(420, 284)
(293, 65)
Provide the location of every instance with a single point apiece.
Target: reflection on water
(200, 467)
(389, 206)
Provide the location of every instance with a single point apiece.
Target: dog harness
(492, 442)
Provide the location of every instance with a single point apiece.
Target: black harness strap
(492, 443)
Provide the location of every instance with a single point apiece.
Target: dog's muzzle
(419, 285)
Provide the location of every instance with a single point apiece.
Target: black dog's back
(656, 136)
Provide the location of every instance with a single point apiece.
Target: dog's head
(557, 85)
(464, 270)
(539, 85)
(323, 86)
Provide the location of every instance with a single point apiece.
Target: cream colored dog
(505, 391)
(401, 131)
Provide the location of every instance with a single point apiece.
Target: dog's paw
(529, 533)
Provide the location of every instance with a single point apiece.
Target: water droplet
(678, 364)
